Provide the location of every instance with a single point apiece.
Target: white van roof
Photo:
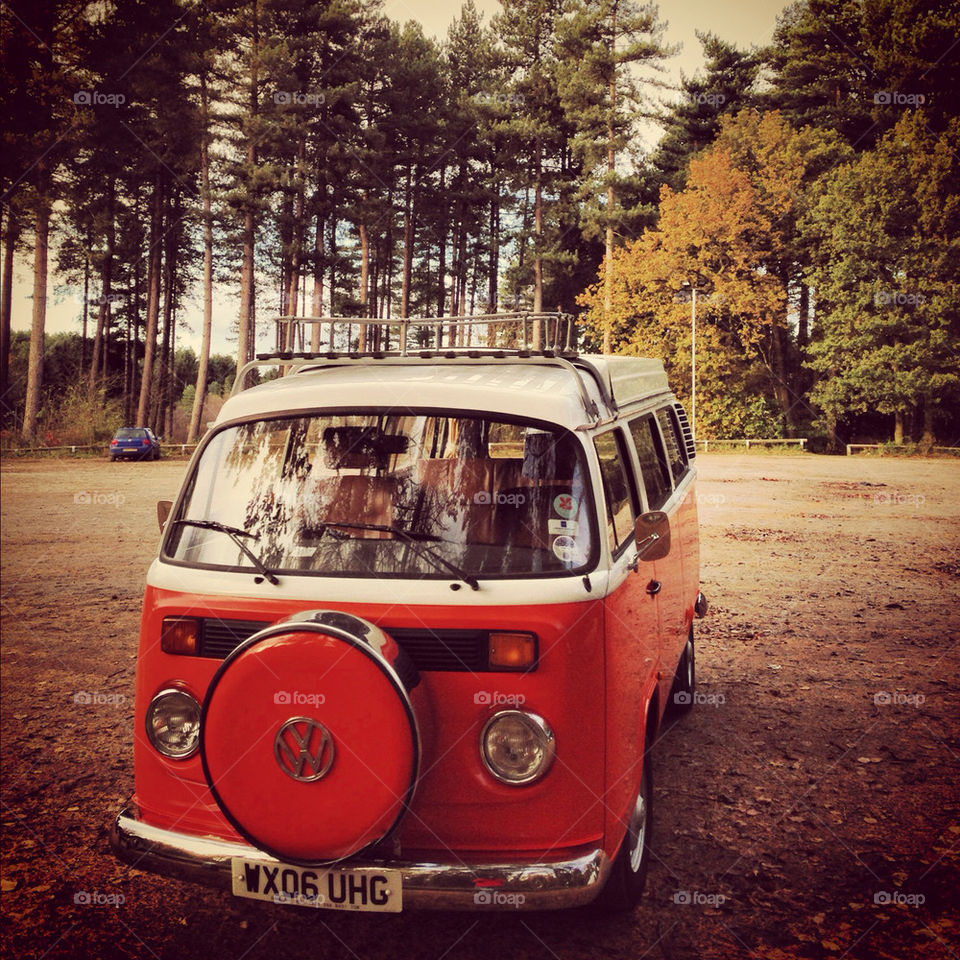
(552, 384)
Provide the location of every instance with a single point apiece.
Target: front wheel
(624, 887)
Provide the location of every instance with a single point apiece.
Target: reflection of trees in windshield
(492, 498)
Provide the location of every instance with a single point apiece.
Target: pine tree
(887, 238)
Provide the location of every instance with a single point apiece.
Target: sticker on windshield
(570, 527)
(567, 550)
(566, 504)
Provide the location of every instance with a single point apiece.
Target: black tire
(624, 887)
(685, 681)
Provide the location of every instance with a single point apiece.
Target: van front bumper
(543, 885)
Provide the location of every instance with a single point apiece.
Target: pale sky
(745, 23)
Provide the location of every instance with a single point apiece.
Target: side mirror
(163, 511)
(652, 532)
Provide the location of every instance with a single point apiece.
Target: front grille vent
(446, 650)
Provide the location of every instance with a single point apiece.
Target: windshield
(390, 495)
(130, 433)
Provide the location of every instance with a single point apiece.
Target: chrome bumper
(431, 886)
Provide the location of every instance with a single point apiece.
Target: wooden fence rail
(801, 441)
(74, 447)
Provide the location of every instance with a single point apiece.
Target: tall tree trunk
(442, 266)
(86, 303)
(153, 303)
(803, 319)
(407, 248)
(899, 419)
(493, 277)
(246, 334)
(203, 367)
(41, 230)
(166, 337)
(537, 256)
(171, 376)
(133, 331)
(778, 368)
(333, 268)
(106, 285)
(611, 196)
(364, 278)
(317, 304)
(10, 236)
(296, 238)
(929, 437)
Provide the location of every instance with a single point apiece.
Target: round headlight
(517, 747)
(173, 723)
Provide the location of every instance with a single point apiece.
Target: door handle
(653, 587)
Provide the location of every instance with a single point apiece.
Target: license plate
(364, 888)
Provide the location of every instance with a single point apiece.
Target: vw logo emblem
(302, 745)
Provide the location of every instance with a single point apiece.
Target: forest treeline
(317, 158)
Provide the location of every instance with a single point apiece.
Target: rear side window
(653, 463)
(673, 439)
(617, 488)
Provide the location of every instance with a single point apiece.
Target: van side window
(617, 488)
(653, 463)
(673, 438)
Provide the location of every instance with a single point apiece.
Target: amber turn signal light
(512, 651)
(180, 635)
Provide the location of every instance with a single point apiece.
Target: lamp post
(693, 366)
(693, 359)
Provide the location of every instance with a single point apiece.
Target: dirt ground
(806, 808)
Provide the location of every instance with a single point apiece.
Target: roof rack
(505, 333)
(537, 338)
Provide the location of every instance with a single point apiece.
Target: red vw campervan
(417, 613)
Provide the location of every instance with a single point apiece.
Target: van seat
(356, 499)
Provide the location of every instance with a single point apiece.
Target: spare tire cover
(308, 739)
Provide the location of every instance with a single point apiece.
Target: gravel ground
(806, 808)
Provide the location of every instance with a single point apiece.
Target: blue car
(134, 443)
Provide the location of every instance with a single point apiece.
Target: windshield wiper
(416, 541)
(234, 533)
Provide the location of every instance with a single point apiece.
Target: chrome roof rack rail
(410, 336)
(538, 338)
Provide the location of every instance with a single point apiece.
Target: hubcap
(638, 827)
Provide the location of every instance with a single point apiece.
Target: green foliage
(886, 235)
